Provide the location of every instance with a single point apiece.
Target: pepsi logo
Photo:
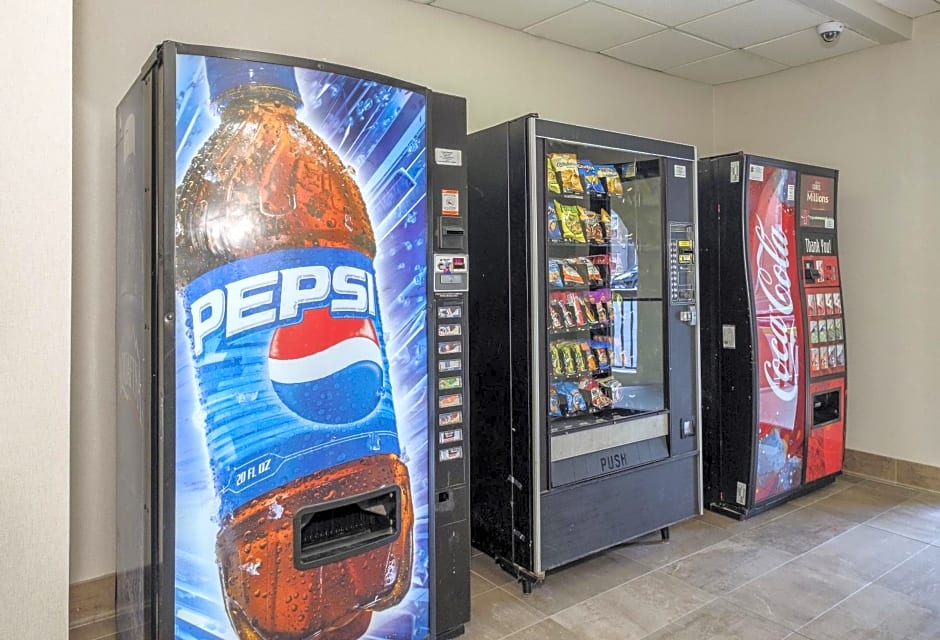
(327, 369)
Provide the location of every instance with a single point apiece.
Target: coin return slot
(342, 528)
(827, 407)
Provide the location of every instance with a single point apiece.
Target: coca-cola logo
(773, 280)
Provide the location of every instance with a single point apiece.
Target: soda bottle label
(290, 363)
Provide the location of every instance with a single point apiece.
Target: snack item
(554, 274)
(554, 408)
(588, 310)
(604, 218)
(576, 403)
(588, 173)
(592, 226)
(578, 356)
(556, 314)
(600, 351)
(556, 360)
(574, 302)
(554, 229)
(594, 275)
(569, 215)
(611, 179)
(593, 389)
(553, 185)
(566, 166)
(570, 273)
(567, 359)
(589, 358)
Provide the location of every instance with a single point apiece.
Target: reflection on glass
(604, 271)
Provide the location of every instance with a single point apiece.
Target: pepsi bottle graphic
(278, 300)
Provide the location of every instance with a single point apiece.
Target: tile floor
(857, 560)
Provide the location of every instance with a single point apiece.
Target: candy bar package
(611, 179)
(557, 316)
(553, 185)
(554, 274)
(589, 311)
(569, 215)
(566, 167)
(600, 298)
(554, 229)
(567, 315)
(570, 273)
(574, 302)
(589, 174)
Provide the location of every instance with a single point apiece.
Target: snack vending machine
(291, 327)
(773, 329)
(584, 359)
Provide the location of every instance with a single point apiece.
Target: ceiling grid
(710, 41)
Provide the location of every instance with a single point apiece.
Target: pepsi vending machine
(291, 274)
(773, 331)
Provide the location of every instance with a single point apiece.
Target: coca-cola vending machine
(773, 331)
(292, 268)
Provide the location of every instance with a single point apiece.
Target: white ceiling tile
(912, 8)
(517, 14)
(806, 46)
(594, 27)
(756, 21)
(727, 67)
(672, 12)
(665, 50)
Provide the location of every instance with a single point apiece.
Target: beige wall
(503, 73)
(35, 260)
(874, 115)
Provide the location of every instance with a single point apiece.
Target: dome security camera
(830, 31)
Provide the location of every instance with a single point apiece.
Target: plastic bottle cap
(225, 74)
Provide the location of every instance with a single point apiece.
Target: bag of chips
(579, 360)
(611, 179)
(604, 218)
(588, 356)
(567, 359)
(556, 317)
(554, 274)
(570, 273)
(556, 360)
(598, 399)
(592, 227)
(566, 166)
(554, 229)
(575, 304)
(589, 174)
(553, 185)
(554, 407)
(575, 400)
(570, 218)
(594, 275)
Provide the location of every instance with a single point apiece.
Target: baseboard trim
(91, 601)
(903, 472)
